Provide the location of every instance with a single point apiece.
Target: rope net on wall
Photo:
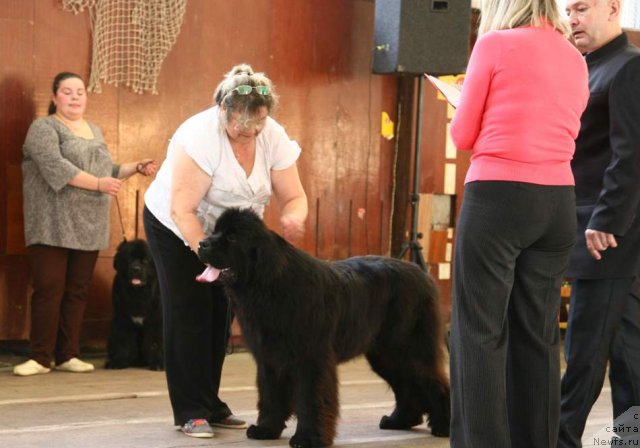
(131, 38)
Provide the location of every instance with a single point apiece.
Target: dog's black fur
(136, 328)
(301, 317)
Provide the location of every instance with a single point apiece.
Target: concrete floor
(130, 408)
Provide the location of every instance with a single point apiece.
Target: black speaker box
(421, 36)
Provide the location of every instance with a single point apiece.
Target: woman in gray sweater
(68, 176)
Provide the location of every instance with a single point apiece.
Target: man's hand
(598, 242)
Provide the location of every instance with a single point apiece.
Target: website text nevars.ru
(615, 442)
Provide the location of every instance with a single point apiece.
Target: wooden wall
(318, 53)
(319, 57)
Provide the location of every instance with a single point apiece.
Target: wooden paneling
(634, 37)
(97, 319)
(14, 308)
(318, 55)
(20, 10)
(16, 113)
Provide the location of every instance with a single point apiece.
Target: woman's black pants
(195, 327)
(513, 242)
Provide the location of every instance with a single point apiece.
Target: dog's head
(235, 244)
(134, 264)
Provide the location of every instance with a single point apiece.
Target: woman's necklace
(244, 156)
(74, 125)
(77, 127)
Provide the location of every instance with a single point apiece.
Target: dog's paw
(439, 428)
(440, 431)
(263, 433)
(116, 364)
(306, 441)
(156, 367)
(395, 422)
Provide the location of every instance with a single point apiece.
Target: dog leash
(124, 236)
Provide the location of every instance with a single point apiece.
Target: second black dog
(136, 328)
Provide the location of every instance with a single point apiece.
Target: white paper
(450, 91)
(450, 150)
(449, 178)
(444, 271)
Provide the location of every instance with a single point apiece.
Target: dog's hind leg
(421, 387)
(437, 396)
(317, 406)
(431, 380)
(274, 404)
(409, 408)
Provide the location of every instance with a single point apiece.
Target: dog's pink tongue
(209, 275)
(136, 282)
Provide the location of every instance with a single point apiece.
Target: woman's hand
(292, 228)
(109, 185)
(293, 202)
(147, 167)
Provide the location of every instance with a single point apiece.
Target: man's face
(592, 22)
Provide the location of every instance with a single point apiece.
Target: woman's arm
(42, 145)
(466, 123)
(146, 167)
(189, 185)
(107, 185)
(292, 199)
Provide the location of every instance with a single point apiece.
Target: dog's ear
(256, 255)
(260, 259)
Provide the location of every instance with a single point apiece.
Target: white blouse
(206, 142)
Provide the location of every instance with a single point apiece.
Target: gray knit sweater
(55, 213)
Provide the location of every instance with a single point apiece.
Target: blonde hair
(508, 14)
(243, 74)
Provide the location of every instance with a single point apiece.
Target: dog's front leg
(274, 404)
(316, 402)
(122, 347)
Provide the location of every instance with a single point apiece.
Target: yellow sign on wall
(386, 127)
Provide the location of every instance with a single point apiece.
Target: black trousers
(195, 327)
(624, 361)
(512, 246)
(603, 325)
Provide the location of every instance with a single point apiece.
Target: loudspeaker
(421, 36)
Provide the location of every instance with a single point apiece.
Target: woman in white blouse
(231, 155)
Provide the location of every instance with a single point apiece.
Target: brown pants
(60, 279)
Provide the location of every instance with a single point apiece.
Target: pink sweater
(520, 109)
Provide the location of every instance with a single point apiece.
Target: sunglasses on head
(246, 89)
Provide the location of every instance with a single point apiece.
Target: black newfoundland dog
(136, 328)
(301, 317)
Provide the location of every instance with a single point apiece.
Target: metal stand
(413, 245)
